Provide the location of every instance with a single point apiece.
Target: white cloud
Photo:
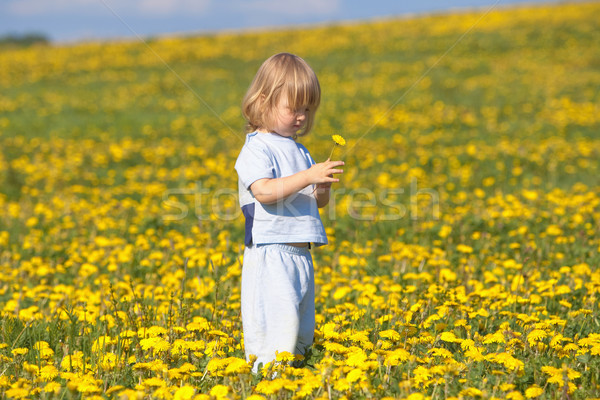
(294, 7)
(78, 7)
(172, 7)
(41, 7)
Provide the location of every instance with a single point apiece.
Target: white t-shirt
(293, 220)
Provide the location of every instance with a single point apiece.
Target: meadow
(464, 234)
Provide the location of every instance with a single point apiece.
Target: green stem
(332, 149)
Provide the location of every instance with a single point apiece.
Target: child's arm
(322, 194)
(272, 190)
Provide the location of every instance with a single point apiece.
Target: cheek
(288, 117)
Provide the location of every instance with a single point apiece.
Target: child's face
(287, 121)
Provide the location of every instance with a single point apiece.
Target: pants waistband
(287, 248)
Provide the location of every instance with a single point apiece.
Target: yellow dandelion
(472, 392)
(339, 141)
(179, 347)
(187, 367)
(197, 326)
(154, 331)
(396, 357)
(52, 387)
(515, 395)
(557, 375)
(574, 347)
(463, 248)
(17, 393)
(533, 392)
(184, 393)
(44, 349)
(341, 385)
(128, 394)
(390, 334)
(354, 375)
(475, 353)
(535, 336)
(238, 366)
(505, 387)
(467, 344)
(356, 358)
(450, 337)
(48, 373)
(329, 331)
(154, 382)
(497, 337)
(113, 389)
(108, 361)
(284, 356)
(20, 351)
(215, 365)
(158, 344)
(31, 368)
(421, 375)
(509, 361)
(267, 387)
(335, 347)
(439, 352)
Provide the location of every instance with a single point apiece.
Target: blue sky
(73, 20)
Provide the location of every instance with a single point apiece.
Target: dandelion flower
(154, 382)
(339, 140)
(450, 337)
(20, 351)
(354, 375)
(184, 393)
(356, 358)
(390, 334)
(237, 366)
(440, 352)
(533, 391)
(535, 336)
(397, 356)
(48, 373)
(285, 356)
(219, 391)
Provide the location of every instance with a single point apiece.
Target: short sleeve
(306, 154)
(254, 163)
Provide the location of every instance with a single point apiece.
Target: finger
(330, 180)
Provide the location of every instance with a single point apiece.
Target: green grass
(499, 127)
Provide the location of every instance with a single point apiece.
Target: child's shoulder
(255, 140)
(272, 144)
(268, 140)
(255, 145)
(251, 136)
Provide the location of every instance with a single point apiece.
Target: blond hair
(283, 74)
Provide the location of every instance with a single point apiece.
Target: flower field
(464, 234)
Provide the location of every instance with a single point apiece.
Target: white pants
(278, 301)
